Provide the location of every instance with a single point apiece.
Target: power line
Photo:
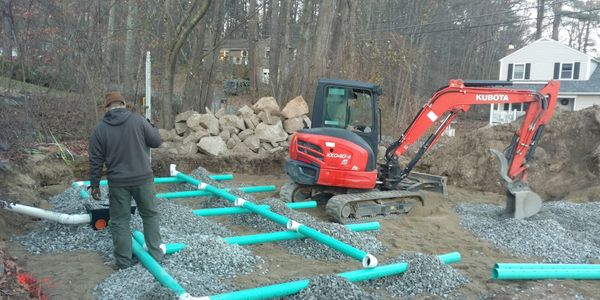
(490, 24)
(453, 20)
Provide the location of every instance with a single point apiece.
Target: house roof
(557, 43)
(591, 86)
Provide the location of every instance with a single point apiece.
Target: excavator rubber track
(374, 205)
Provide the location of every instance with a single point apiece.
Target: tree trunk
(109, 51)
(556, 8)
(192, 93)
(182, 32)
(252, 39)
(275, 45)
(129, 68)
(540, 19)
(214, 30)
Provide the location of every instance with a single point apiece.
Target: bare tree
(194, 14)
(539, 22)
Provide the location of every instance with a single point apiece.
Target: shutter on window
(556, 70)
(576, 71)
(509, 73)
(527, 70)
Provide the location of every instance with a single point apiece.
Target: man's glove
(96, 194)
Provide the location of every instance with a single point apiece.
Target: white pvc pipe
(46, 214)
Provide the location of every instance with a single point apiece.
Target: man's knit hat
(112, 97)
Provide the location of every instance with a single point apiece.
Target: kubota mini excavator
(336, 159)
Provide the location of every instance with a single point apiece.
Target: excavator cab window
(348, 109)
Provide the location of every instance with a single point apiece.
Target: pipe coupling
(293, 225)
(369, 261)
(173, 170)
(239, 202)
(202, 186)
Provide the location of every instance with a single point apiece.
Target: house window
(566, 71)
(519, 72)
(267, 52)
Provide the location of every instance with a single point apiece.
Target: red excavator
(336, 159)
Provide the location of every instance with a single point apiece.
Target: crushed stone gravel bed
(563, 232)
(426, 274)
(332, 287)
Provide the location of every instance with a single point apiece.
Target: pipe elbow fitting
(173, 170)
(239, 202)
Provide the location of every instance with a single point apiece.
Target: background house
(545, 59)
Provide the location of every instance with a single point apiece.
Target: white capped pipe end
(293, 225)
(369, 261)
(186, 296)
(163, 248)
(239, 202)
(202, 186)
(173, 170)
(79, 183)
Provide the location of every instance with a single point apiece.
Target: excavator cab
(348, 105)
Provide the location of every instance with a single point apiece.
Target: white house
(545, 59)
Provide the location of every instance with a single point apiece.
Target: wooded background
(410, 47)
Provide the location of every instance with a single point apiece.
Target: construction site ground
(567, 169)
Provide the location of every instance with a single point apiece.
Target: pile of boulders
(261, 129)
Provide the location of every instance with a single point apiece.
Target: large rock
(225, 135)
(182, 117)
(231, 143)
(180, 127)
(292, 125)
(246, 133)
(251, 121)
(194, 137)
(307, 120)
(165, 135)
(193, 120)
(213, 145)
(295, 108)
(267, 117)
(245, 111)
(220, 113)
(267, 104)
(209, 122)
(276, 149)
(270, 133)
(240, 149)
(187, 148)
(167, 145)
(232, 121)
(252, 142)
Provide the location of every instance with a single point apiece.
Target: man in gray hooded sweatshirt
(121, 141)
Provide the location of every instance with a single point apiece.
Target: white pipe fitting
(163, 248)
(293, 225)
(173, 170)
(369, 261)
(202, 186)
(239, 202)
(48, 215)
(79, 183)
(186, 296)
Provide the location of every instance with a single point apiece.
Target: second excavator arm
(458, 97)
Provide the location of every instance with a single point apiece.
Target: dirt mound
(566, 164)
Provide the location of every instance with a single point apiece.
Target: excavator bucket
(521, 201)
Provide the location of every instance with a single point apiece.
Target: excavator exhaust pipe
(521, 201)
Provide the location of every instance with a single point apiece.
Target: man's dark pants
(120, 215)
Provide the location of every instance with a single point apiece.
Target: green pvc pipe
(159, 180)
(83, 194)
(303, 204)
(155, 269)
(193, 194)
(293, 287)
(546, 266)
(534, 274)
(221, 211)
(288, 235)
(357, 254)
(450, 257)
(167, 248)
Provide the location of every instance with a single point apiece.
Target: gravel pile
(426, 274)
(332, 287)
(52, 237)
(562, 232)
(308, 248)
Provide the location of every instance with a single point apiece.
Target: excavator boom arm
(457, 97)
